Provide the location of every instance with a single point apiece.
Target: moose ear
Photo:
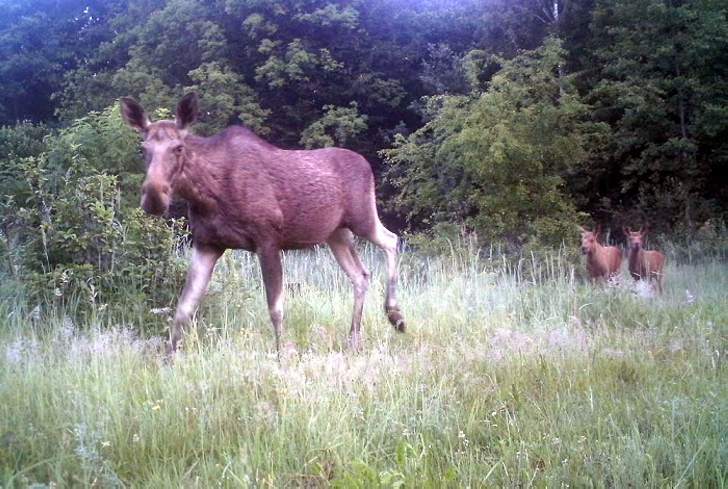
(582, 229)
(133, 113)
(187, 110)
(626, 230)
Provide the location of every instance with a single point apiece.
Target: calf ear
(187, 110)
(582, 229)
(133, 113)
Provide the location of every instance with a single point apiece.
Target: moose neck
(635, 255)
(596, 251)
(195, 184)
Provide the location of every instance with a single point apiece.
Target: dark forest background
(509, 120)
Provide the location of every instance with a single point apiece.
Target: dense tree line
(510, 118)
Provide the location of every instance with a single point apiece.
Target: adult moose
(644, 264)
(602, 262)
(245, 193)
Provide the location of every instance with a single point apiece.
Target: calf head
(635, 239)
(588, 240)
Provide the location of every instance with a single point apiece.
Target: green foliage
(495, 161)
(506, 156)
(225, 98)
(295, 65)
(16, 144)
(39, 42)
(71, 221)
(663, 90)
(336, 127)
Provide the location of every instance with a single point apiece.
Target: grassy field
(510, 375)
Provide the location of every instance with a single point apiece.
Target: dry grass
(512, 376)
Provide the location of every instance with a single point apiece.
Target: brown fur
(602, 262)
(645, 264)
(245, 193)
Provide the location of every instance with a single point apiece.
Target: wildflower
(463, 439)
(643, 289)
(20, 349)
(612, 353)
(14, 352)
(35, 313)
(158, 311)
(689, 298)
(68, 328)
(615, 280)
(265, 412)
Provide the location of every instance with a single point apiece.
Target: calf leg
(341, 243)
(198, 277)
(272, 268)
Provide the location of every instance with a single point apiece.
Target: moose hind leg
(272, 268)
(198, 277)
(342, 247)
(387, 241)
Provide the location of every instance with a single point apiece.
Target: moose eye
(178, 149)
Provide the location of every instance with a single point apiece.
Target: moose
(644, 264)
(245, 193)
(602, 262)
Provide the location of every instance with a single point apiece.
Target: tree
(226, 99)
(662, 88)
(39, 42)
(495, 160)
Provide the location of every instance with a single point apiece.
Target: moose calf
(644, 264)
(602, 262)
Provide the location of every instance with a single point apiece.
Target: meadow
(511, 374)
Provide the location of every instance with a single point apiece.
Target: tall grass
(512, 374)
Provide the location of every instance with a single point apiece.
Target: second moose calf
(644, 264)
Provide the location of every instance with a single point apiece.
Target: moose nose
(155, 198)
(151, 187)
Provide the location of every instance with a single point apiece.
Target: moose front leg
(198, 277)
(272, 268)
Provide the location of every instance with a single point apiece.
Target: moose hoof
(171, 349)
(355, 342)
(396, 319)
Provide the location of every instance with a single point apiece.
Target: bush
(72, 230)
(496, 160)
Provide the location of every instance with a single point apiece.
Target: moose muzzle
(155, 198)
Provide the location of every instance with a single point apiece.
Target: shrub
(71, 226)
(496, 160)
